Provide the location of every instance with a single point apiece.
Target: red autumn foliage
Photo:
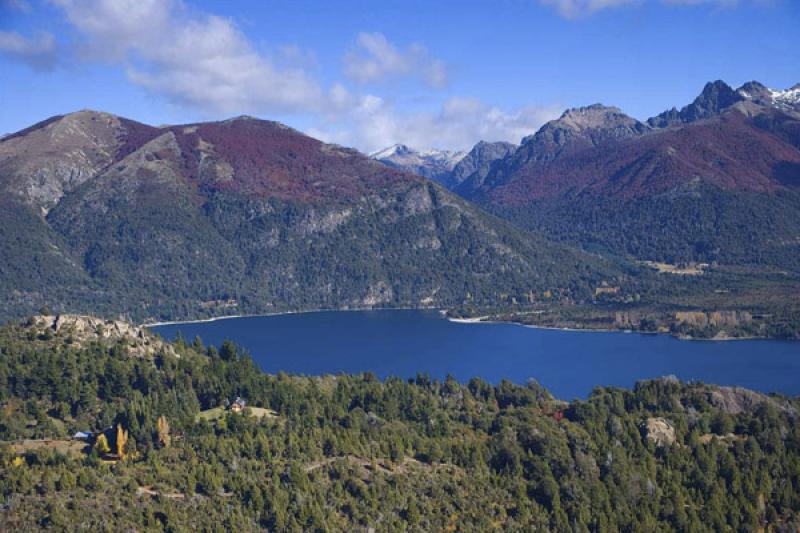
(729, 151)
(270, 160)
(267, 160)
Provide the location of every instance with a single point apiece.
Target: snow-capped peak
(398, 152)
(431, 163)
(395, 149)
(789, 96)
(785, 99)
(452, 157)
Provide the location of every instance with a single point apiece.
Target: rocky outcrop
(714, 318)
(660, 431)
(736, 400)
(83, 330)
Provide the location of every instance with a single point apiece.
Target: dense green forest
(350, 453)
(701, 223)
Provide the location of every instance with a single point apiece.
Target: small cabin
(238, 405)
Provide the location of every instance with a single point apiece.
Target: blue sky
(430, 74)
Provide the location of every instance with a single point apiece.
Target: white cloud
(459, 124)
(192, 58)
(201, 61)
(38, 52)
(375, 59)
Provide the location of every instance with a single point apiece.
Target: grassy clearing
(218, 412)
(73, 448)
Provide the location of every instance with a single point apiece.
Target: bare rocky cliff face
(48, 162)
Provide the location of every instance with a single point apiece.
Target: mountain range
(101, 213)
(717, 180)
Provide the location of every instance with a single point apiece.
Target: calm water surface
(404, 342)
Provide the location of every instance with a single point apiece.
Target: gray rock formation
(478, 162)
(84, 330)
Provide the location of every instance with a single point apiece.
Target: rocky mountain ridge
(431, 163)
(718, 180)
(578, 129)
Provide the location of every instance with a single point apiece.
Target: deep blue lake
(404, 342)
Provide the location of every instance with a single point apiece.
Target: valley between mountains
(687, 223)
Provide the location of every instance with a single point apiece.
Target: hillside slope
(106, 214)
(353, 453)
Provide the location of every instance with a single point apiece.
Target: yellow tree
(122, 438)
(162, 426)
(101, 444)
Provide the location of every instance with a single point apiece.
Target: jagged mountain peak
(390, 151)
(715, 97)
(718, 96)
(431, 163)
(716, 87)
(753, 89)
(401, 150)
(784, 100)
(483, 146)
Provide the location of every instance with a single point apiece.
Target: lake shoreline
(485, 319)
(283, 313)
(721, 338)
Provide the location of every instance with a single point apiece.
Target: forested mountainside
(717, 181)
(159, 449)
(102, 214)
